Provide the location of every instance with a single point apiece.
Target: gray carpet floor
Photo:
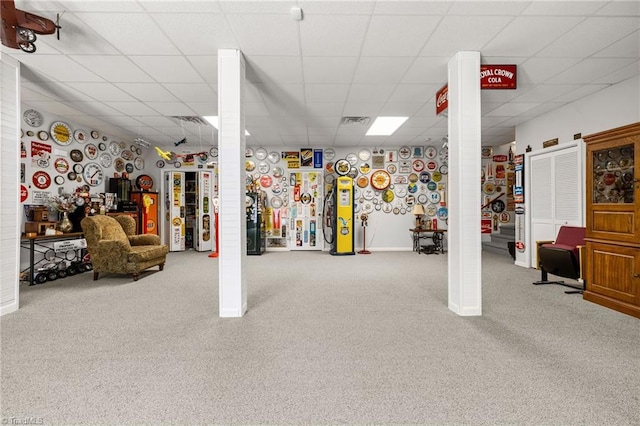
(326, 340)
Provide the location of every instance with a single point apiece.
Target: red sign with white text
(442, 99)
(498, 76)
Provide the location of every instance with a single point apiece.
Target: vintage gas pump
(343, 217)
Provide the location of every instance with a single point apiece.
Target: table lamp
(418, 210)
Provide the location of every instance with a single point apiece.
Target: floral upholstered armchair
(115, 248)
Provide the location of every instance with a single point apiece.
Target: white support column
(465, 249)
(10, 207)
(231, 149)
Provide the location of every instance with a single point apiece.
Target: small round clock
(32, 117)
(93, 174)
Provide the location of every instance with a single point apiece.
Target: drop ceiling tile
(592, 35)
(502, 96)
(100, 6)
(486, 8)
(132, 108)
(526, 35)
(395, 35)
(171, 108)
(94, 108)
(155, 121)
(488, 121)
(203, 108)
(539, 70)
(620, 74)
(168, 69)
(412, 7)
(324, 109)
(543, 108)
(326, 69)
(269, 35)
(620, 8)
(590, 69)
(414, 92)
(130, 33)
(326, 92)
(255, 108)
(312, 8)
(555, 8)
(582, 91)
(333, 35)
(628, 47)
(377, 93)
(381, 70)
(400, 109)
(512, 109)
(103, 92)
(122, 120)
(113, 68)
(320, 140)
(206, 66)
(294, 131)
(456, 33)
(323, 132)
(60, 68)
(265, 69)
(498, 130)
(196, 92)
(147, 92)
(212, 28)
(427, 70)
(545, 92)
(422, 122)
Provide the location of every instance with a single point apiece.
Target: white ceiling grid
(124, 66)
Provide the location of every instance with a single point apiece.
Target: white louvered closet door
(556, 194)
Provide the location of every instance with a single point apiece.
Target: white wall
(614, 106)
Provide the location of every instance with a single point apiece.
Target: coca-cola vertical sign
(442, 100)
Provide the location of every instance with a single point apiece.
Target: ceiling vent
(355, 121)
(193, 119)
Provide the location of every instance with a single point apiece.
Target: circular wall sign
(41, 179)
(144, 182)
(61, 133)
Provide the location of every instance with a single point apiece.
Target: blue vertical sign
(317, 158)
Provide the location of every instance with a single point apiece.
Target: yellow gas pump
(343, 225)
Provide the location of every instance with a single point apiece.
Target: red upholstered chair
(562, 257)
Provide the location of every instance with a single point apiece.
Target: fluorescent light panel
(213, 120)
(385, 126)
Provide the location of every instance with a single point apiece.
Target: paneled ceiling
(125, 68)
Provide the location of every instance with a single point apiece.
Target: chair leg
(95, 275)
(135, 276)
(161, 266)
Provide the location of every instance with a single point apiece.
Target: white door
(556, 194)
(305, 213)
(174, 207)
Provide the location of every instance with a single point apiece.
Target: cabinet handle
(636, 275)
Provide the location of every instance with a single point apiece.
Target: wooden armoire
(613, 219)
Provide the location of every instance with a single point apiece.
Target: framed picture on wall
(417, 152)
(487, 151)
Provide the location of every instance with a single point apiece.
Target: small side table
(437, 236)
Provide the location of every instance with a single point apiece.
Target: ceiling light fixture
(385, 126)
(213, 120)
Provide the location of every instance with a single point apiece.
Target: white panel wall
(9, 183)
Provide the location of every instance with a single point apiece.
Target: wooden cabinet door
(612, 190)
(613, 272)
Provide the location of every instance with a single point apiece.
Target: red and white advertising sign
(24, 193)
(442, 99)
(40, 154)
(485, 226)
(498, 77)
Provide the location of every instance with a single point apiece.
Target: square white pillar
(465, 249)
(231, 184)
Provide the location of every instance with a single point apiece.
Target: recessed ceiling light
(385, 126)
(213, 120)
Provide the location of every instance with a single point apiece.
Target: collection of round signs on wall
(93, 150)
(391, 181)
